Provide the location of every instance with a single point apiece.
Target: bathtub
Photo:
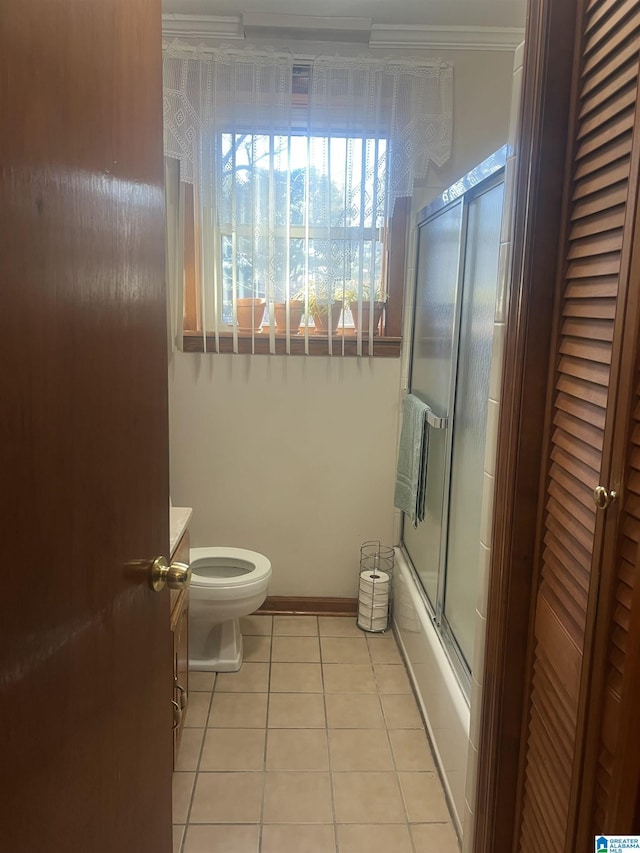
(443, 703)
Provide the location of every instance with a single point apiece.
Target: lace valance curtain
(296, 167)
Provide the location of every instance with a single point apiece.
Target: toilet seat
(225, 572)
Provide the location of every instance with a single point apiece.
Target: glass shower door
(433, 345)
(480, 277)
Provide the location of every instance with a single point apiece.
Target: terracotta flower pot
(320, 316)
(250, 314)
(296, 310)
(361, 321)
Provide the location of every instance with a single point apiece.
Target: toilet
(226, 583)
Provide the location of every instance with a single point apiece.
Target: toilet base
(224, 643)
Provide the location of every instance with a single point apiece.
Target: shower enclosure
(458, 246)
(454, 308)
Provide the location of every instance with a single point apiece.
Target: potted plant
(296, 310)
(325, 308)
(250, 310)
(361, 311)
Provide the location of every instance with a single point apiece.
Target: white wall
(294, 456)
(291, 456)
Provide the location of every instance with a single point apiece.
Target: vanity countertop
(179, 517)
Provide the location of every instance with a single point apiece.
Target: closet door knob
(602, 497)
(175, 576)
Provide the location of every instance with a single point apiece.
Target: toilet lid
(224, 567)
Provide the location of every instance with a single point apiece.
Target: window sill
(259, 344)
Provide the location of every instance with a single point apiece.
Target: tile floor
(314, 746)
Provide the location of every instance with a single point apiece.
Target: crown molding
(207, 29)
(204, 28)
(452, 38)
(316, 27)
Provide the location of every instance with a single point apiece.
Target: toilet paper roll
(374, 580)
(373, 600)
(369, 599)
(378, 624)
(373, 609)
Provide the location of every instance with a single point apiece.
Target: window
(296, 197)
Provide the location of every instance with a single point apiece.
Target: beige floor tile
(411, 750)
(296, 710)
(297, 749)
(359, 749)
(348, 678)
(239, 710)
(428, 837)
(296, 678)
(295, 650)
(250, 678)
(227, 798)
(178, 835)
(391, 678)
(222, 839)
(375, 838)
(295, 626)
(354, 711)
(256, 625)
(291, 797)
(401, 711)
(182, 789)
(423, 797)
(338, 626)
(197, 710)
(233, 749)
(367, 798)
(256, 649)
(201, 681)
(382, 651)
(189, 750)
(344, 650)
(292, 838)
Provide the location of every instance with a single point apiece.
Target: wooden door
(576, 543)
(85, 655)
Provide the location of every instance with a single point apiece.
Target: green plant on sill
(320, 300)
(351, 294)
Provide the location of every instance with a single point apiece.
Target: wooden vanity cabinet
(180, 637)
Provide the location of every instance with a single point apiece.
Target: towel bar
(435, 422)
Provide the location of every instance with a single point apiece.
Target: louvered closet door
(604, 808)
(599, 218)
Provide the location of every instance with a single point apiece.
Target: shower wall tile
(486, 517)
(497, 356)
(518, 58)
(468, 829)
(483, 580)
(504, 258)
(472, 774)
(474, 724)
(516, 99)
(507, 215)
(478, 649)
(493, 412)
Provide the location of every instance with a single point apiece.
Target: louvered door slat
(596, 244)
(596, 217)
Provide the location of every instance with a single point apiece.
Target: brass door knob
(602, 497)
(175, 576)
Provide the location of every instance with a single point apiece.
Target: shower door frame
(482, 178)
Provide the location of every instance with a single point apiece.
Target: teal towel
(412, 460)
